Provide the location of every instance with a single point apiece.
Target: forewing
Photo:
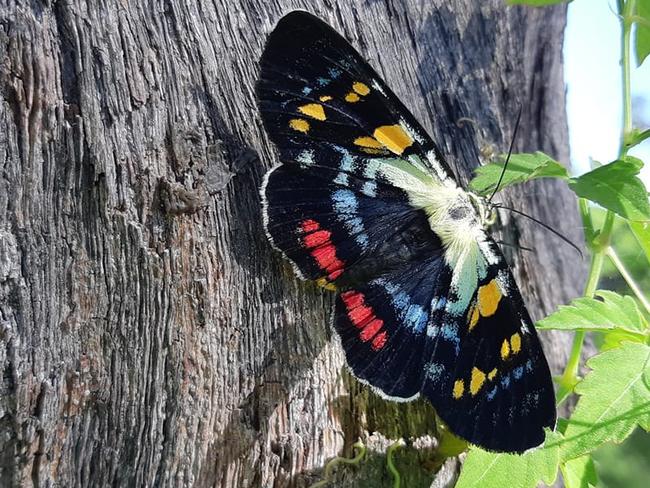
(315, 90)
(487, 376)
(338, 207)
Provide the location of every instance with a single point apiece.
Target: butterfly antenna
(512, 143)
(546, 226)
(516, 246)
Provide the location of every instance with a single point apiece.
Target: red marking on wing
(317, 238)
(352, 299)
(334, 274)
(309, 225)
(364, 318)
(371, 329)
(322, 250)
(326, 258)
(361, 315)
(379, 341)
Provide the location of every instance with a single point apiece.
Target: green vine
(329, 467)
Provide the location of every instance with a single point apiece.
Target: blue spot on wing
(434, 371)
(346, 204)
(450, 333)
(518, 372)
(334, 72)
(416, 318)
(400, 299)
(529, 366)
(438, 303)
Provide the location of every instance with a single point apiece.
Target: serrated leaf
(642, 20)
(613, 339)
(536, 3)
(614, 398)
(641, 231)
(579, 473)
(521, 167)
(606, 312)
(483, 469)
(616, 187)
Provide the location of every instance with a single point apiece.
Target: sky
(592, 74)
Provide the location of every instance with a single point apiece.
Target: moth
(365, 204)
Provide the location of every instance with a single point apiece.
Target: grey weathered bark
(149, 335)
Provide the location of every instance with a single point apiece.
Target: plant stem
(570, 376)
(600, 244)
(628, 278)
(626, 9)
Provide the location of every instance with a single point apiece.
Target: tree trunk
(149, 335)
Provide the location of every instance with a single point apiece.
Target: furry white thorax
(458, 218)
(451, 211)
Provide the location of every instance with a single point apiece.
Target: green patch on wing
(521, 167)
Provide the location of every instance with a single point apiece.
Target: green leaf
(636, 137)
(483, 469)
(614, 338)
(579, 473)
(536, 3)
(616, 187)
(641, 231)
(642, 20)
(614, 398)
(521, 167)
(609, 311)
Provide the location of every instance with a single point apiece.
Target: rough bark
(148, 333)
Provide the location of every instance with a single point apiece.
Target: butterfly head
(485, 209)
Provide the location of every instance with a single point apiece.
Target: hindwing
(485, 370)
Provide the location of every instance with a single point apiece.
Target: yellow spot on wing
(459, 387)
(325, 284)
(360, 88)
(488, 298)
(299, 124)
(474, 316)
(367, 142)
(393, 137)
(515, 343)
(478, 378)
(492, 374)
(325, 98)
(352, 97)
(505, 349)
(314, 110)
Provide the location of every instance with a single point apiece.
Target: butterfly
(364, 204)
